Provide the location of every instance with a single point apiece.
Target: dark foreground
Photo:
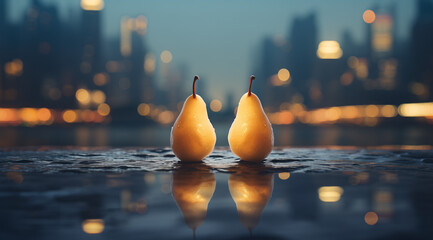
(134, 193)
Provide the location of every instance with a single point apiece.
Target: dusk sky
(217, 39)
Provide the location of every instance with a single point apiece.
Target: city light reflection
(383, 203)
(284, 175)
(93, 226)
(371, 218)
(16, 177)
(149, 178)
(330, 193)
(128, 205)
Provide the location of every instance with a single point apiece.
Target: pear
(251, 136)
(251, 190)
(192, 189)
(192, 135)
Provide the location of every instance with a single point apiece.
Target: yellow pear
(192, 135)
(251, 191)
(192, 190)
(251, 136)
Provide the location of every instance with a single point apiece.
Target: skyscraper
(39, 48)
(91, 60)
(2, 45)
(3, 15)
(422, 51)
(302, 56)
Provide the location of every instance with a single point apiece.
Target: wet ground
(145, 193)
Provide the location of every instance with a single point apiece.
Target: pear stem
(251, 82)
(193, 85)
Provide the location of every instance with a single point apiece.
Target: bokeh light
(372, 111)
(100, 79)
(98, 97)
(283, 74)
(69, 116)
(16, 177)
(92, 5)
(14, 68)
(149, 63)
(284, 175)
(166, 56)
(330, 193)
(369, 16)
(143, 109)
(416, 109)
(103, 109)
(216, 105)
(83, 96)
(43, 114)
(371, 218)
(166, 117)
(388, 111)
(93, 226)
(329, 50)
(28, 115)
(346, 79)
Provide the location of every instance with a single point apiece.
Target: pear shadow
(251, 186)
(193, 185)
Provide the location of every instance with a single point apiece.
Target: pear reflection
(251, 191)
(192, 189)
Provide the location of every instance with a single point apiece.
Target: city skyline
(73, 68)
(223, 61)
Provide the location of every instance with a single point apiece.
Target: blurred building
(49, 63)
(91, 45)
(130, 66)
(302, 69)
(421, 76)
(288, 64)
(273, 58)
(302, 57)
(32, 66)
(3, 29)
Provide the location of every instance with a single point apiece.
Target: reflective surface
(146, 194)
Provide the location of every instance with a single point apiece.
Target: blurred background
(116, 73)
